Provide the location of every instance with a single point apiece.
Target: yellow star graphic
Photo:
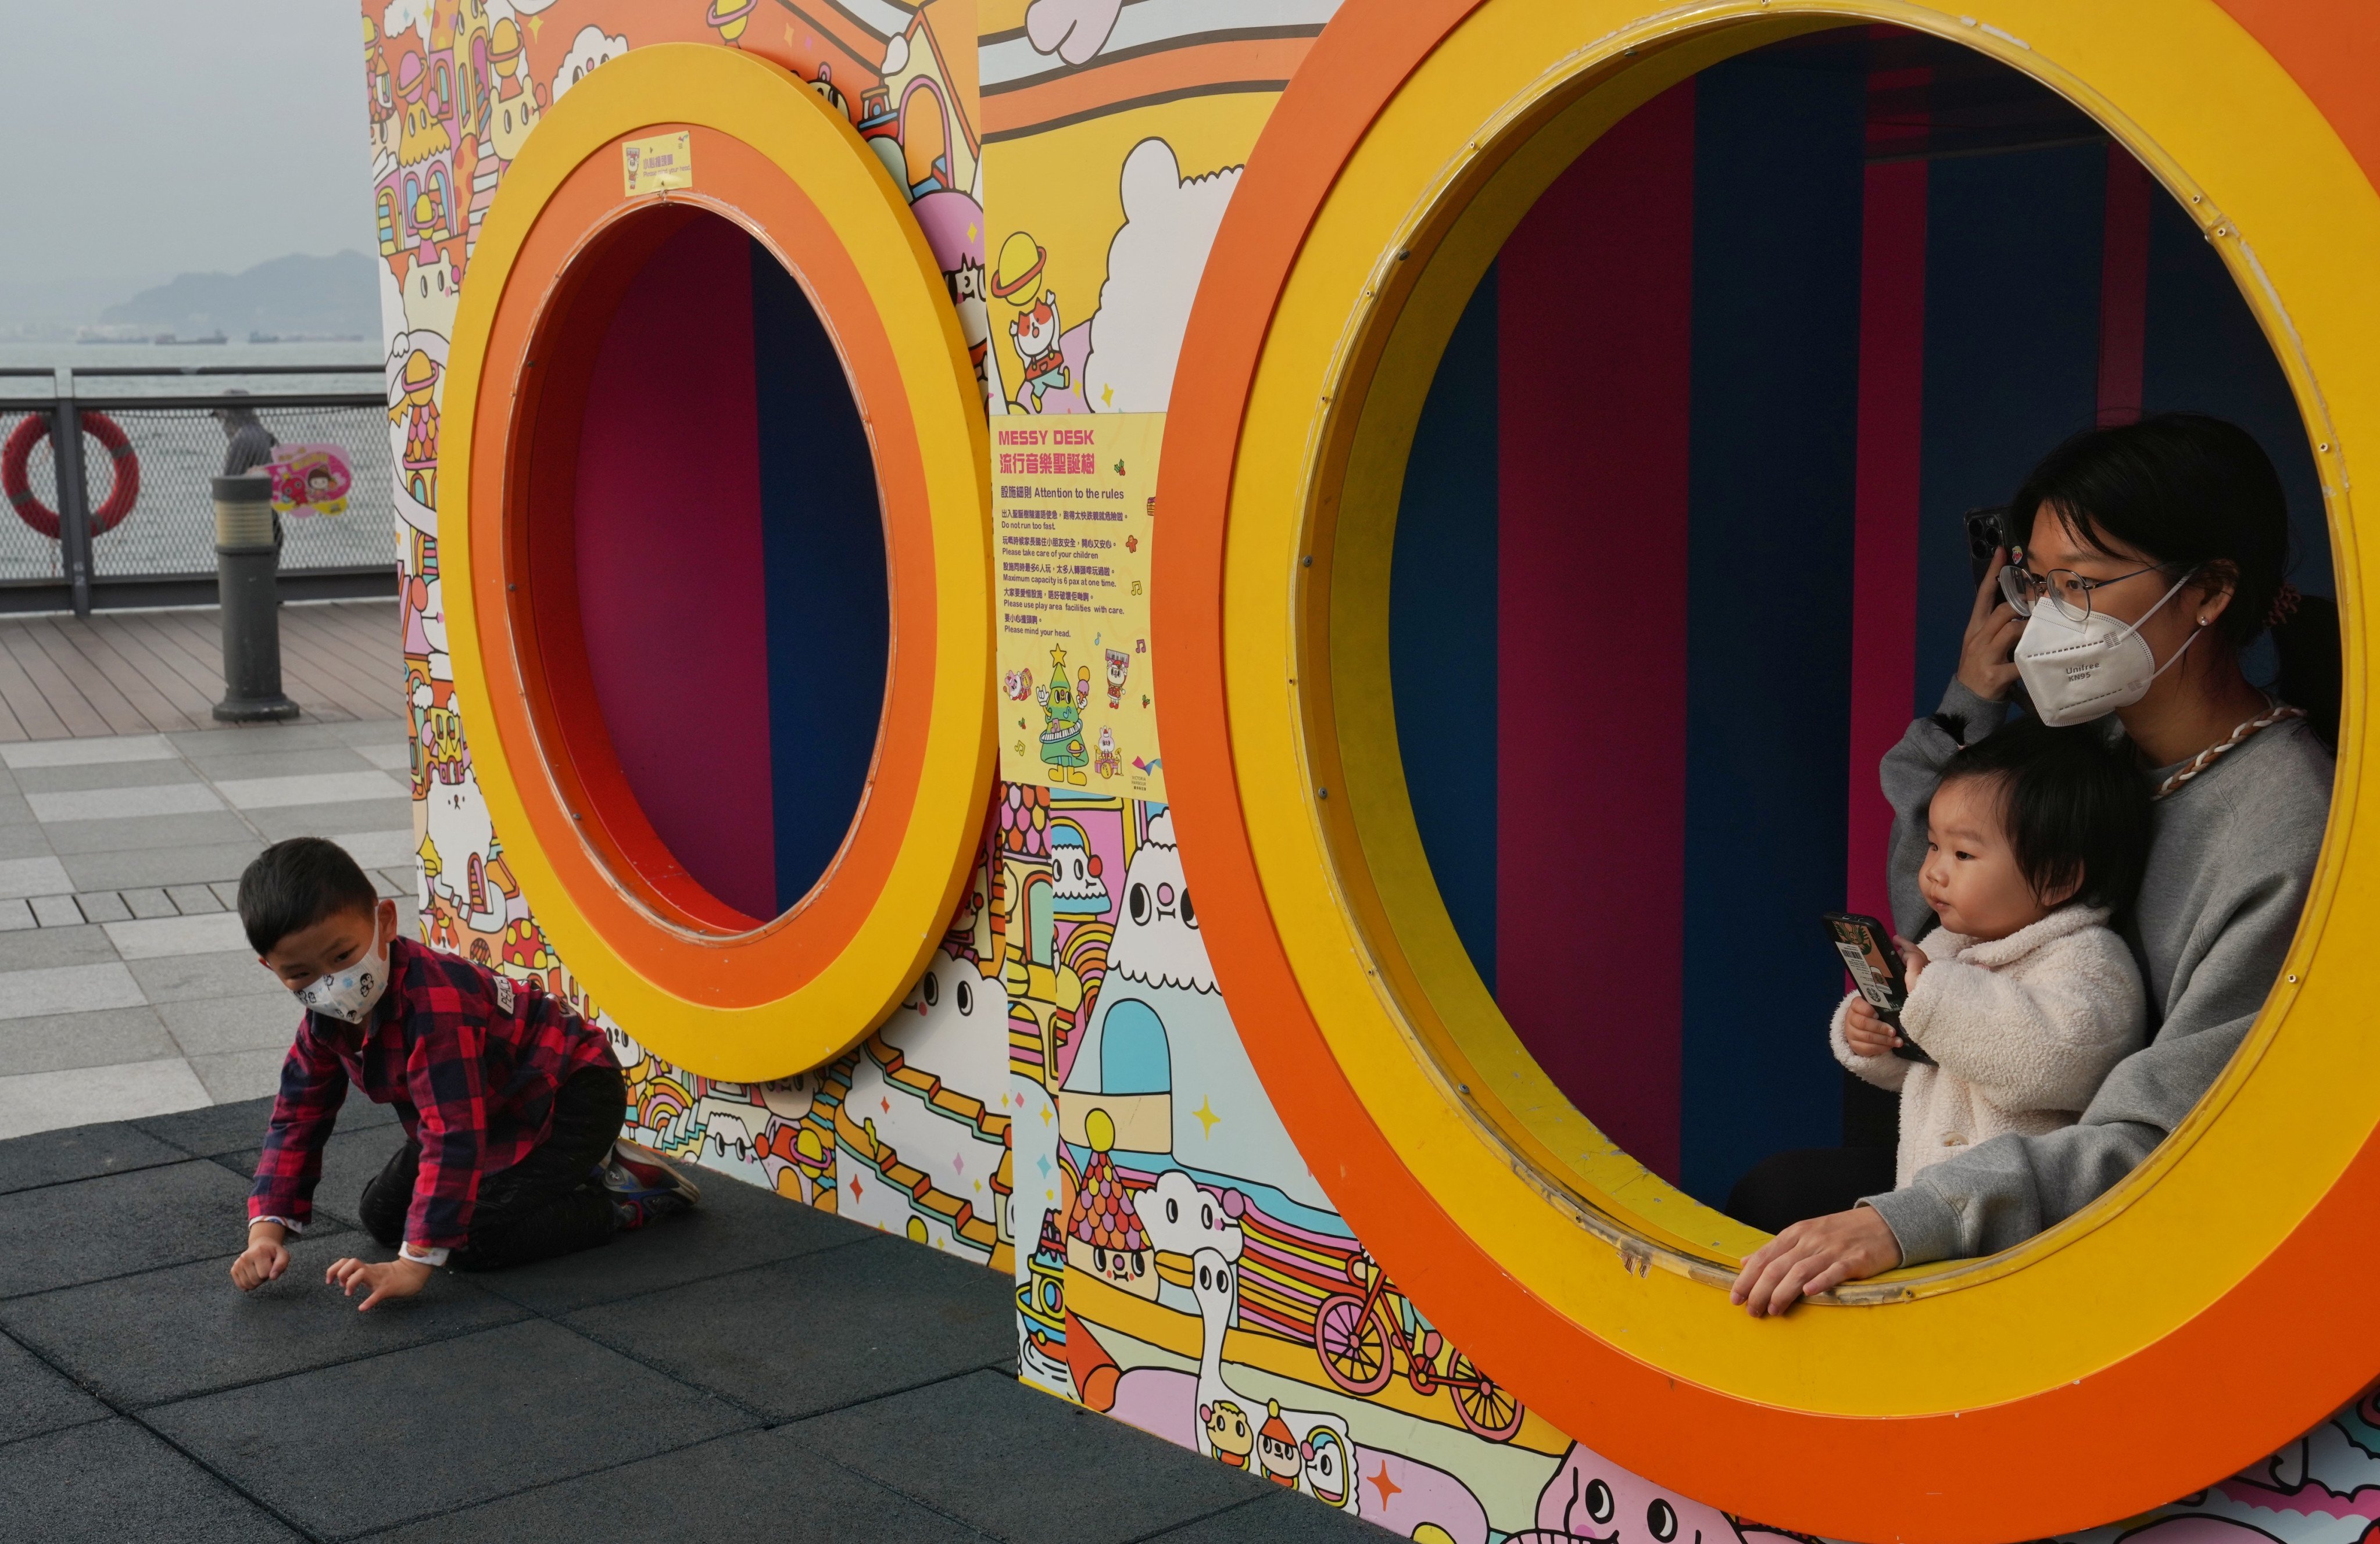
(1045, 1114)
(1206, 1117)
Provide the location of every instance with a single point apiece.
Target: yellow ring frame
(817, 149)
(1350, 353)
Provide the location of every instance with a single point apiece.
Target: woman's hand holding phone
(1986, 659)
(1866, 1032)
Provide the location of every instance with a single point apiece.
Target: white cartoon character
(431, 294)
(465, 840)
(1073, 29)
(1035, 333)
(1300, 1433)
(1157, 940)
(928, 1093)
(1590, 1500)
(1019, 685)
(590, 50)
(1109, 761)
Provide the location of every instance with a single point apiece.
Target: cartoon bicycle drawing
(1359, 1335)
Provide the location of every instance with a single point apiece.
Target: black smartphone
(1986, 534)
(1866, 945)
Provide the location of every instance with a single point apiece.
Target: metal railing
(160, 550)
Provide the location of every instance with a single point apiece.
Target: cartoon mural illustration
(1064, 1095)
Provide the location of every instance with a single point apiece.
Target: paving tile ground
(758, 1371)
(126, 987)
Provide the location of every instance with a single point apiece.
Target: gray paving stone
(747, 1488)
(23, 839)
(180, 978)
(736, 1226)
(218, 1129)
(229, 1076)
(16, 913)
(1280, 1517)
(111, 1481)
(103, 774)
(149, 903)
(227, 891)
(193, 900)
(240, 760)
(280, 822)
(207, 863)
(258, 1022)
(480, 1417)
(35, 1398)
(144, 833)
(253, 740)
(92, 1229)
(14, 811)
(392, 730)
(953, 1446)
(350, 1158)
(52, 947)
(881, 1316)
(61, 1042)
(56, 911)
(80, 1153)
(103, 905)
(385, 887)
(173, 1334)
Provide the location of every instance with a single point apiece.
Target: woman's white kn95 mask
(2075, 672)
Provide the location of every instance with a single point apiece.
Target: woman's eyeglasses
(2068, 592)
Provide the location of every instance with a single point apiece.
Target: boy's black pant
(543, 1206)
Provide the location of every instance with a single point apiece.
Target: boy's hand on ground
(384, 1279)
(264, 1258)
(1815, 1256)
(1866, 1032)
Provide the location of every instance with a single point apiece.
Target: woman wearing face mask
(2154, 554)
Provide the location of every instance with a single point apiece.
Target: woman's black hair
(2195, 493)
(295, 883)
(2074, 807)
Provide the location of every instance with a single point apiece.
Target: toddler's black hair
(296, 883)
(2074, 807)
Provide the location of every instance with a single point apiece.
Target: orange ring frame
(621, 875)
(1781, 1464)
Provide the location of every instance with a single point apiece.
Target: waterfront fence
(161, 550)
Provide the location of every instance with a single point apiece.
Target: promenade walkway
(756, 1371)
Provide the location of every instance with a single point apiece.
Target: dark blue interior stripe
(822, 537)
(1442, 633)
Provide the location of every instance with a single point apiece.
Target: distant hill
(332, 296)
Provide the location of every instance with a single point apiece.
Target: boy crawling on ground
(511, 1103)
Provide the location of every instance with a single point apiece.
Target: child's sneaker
(643, 1189)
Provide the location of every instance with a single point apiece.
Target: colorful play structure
(1220, 655)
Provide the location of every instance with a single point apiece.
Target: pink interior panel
(671, 580)
(1590, 885)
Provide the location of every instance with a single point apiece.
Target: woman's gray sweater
(2228, 867)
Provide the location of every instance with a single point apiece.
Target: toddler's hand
(263, 1260)
(1866, 1032)
(396, 1278)
(1912, 960)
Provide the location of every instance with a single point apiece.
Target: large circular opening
(1365, 224)
(717, 561)
(1668, 579)
(715, 550)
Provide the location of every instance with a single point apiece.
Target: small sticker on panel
(663, 160)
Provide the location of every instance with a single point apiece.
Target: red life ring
(121, 493)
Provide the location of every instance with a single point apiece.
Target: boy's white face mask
(351, 994)
(2075, 672)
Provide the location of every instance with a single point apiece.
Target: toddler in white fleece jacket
(2024, 997)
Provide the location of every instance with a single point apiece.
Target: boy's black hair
(2074, 807)
(296, 883)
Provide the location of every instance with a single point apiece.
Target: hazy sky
(147, 138)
